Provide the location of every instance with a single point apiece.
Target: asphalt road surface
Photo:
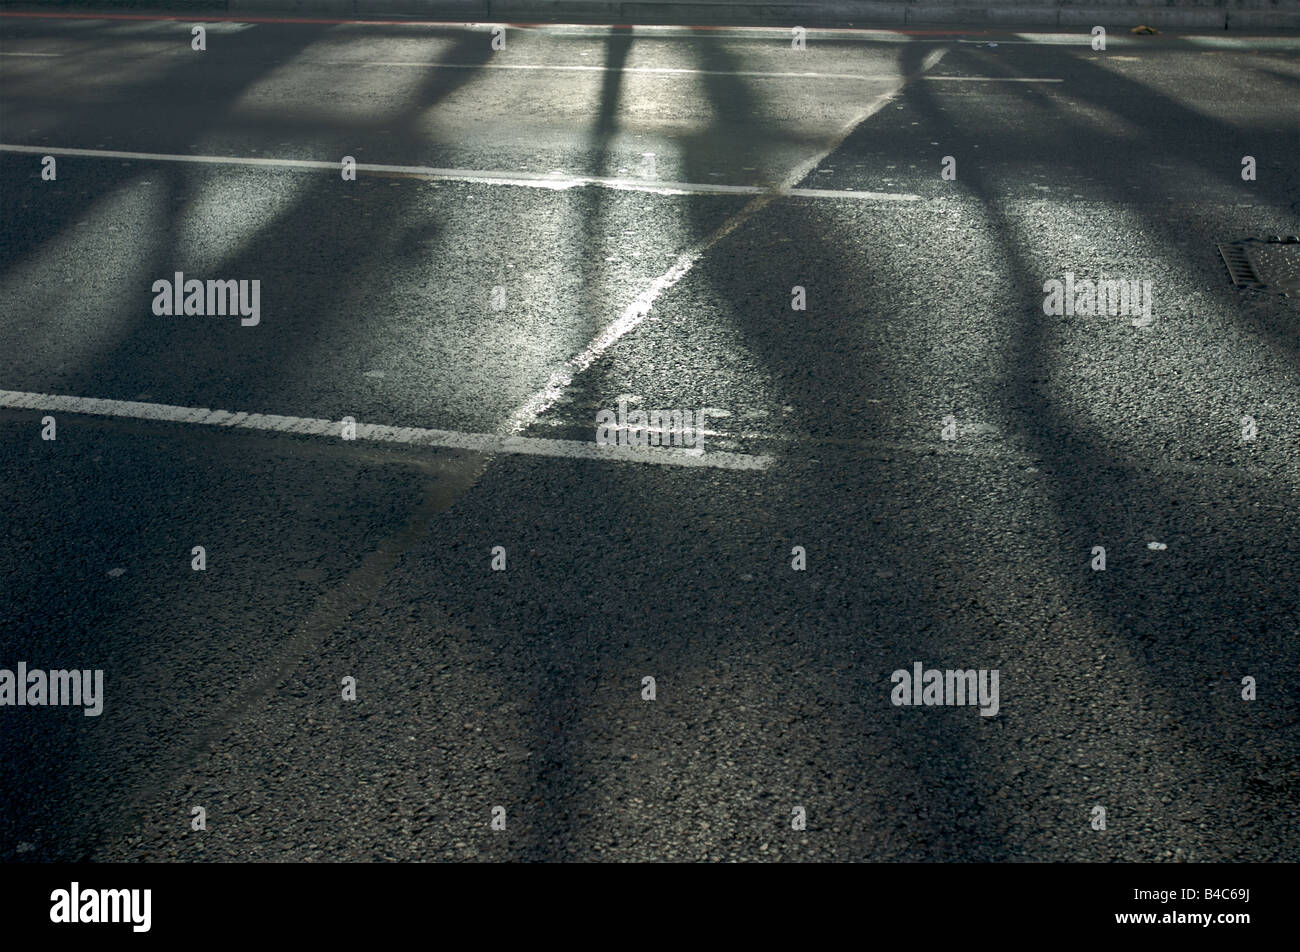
(915, 467)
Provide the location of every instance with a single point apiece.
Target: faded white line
(30, 54)
(547, 180)
(639, 309)
(412, 436)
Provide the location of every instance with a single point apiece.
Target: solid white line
(648, 70)
(837, 193)
(639, 309)
(652, 70)
(545, 180)
(413, 436)
(651, 30)
(164, 157)
(988, 79)
(674, 70)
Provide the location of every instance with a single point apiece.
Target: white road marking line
(649, 70)
(519, 179)
(674, 70)
(652, 70)
(508, 440)
(980, 36)
(1116, 40)
(989, 79)
(860, 196)
(680, 32)
(639, 309)
(413, 436)
(593, 31)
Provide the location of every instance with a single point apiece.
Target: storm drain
(1264, 264)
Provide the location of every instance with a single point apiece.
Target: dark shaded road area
(594, 215)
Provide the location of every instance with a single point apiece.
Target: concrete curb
(1072, 14)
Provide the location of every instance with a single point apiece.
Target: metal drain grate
(1264, 264)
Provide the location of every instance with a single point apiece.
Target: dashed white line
(412, 436)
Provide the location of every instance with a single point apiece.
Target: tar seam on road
(639, 309)
(342, 601)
